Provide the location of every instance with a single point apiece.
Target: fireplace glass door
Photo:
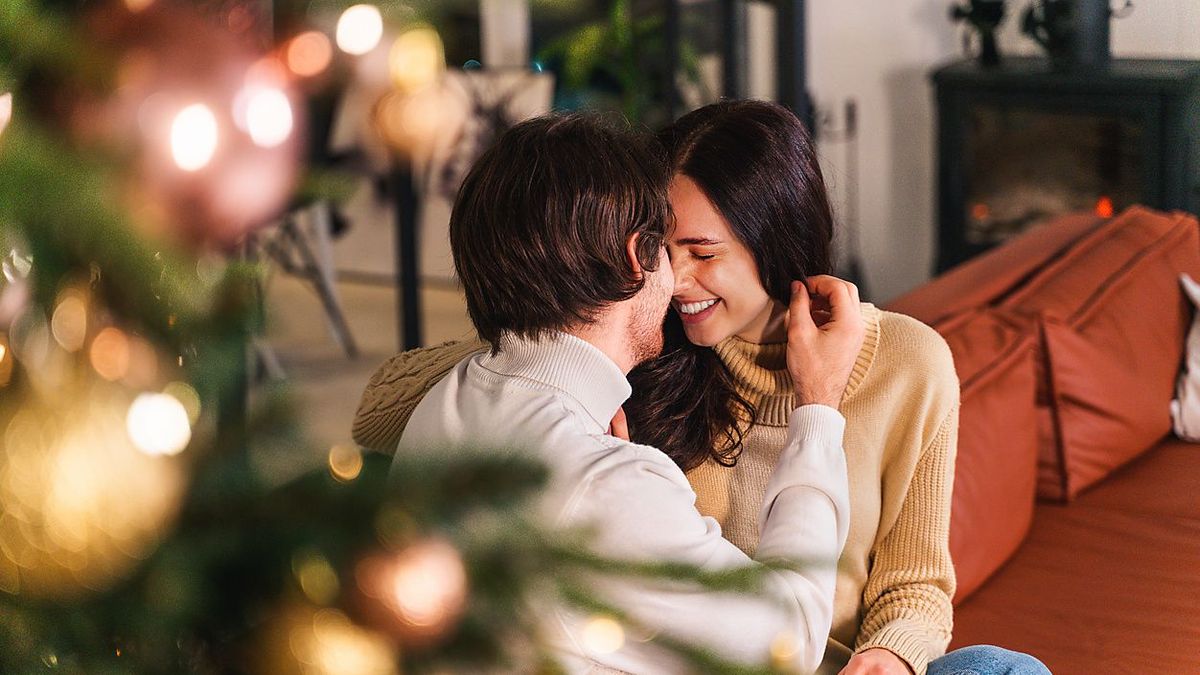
(1024, 165)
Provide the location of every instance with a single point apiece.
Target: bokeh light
(158, 424)
(68, 324)
(109, 353)
(345, 462)
(332, 645)
(316, 577)
(603, 635)
(417, 59)
(359, 29)
(309, 54)
(136, 6)
(268, 117)
(784, 650)
(194, 137)
(5, 110)
(79, 505)
(424, 586)
(187, 396)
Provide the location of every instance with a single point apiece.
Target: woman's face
(718, 293)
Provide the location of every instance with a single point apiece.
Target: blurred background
(219, 217)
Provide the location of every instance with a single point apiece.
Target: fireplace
(1023, 142)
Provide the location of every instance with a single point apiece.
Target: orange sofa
(1075, 527)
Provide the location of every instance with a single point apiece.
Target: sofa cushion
(985, 279)
(1109, 372)
(994, 476)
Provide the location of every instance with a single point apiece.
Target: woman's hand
(876, 661)
(824, 335)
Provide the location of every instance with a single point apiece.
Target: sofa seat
(1109, 583)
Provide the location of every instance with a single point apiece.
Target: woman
(751, 216)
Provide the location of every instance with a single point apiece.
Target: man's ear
(631, 254)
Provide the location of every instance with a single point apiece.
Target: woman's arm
(907, 599)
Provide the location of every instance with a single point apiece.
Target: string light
(309, 53)
(158, 424)
(194, 137)
(359, 29)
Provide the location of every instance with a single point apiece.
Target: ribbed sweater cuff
(903, 640)
(817, 421)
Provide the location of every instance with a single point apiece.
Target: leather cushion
(1112, 320)
(994, 476)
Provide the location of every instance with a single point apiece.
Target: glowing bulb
(345, 462)
(158, 424)
(194, 137)
(309, 53)
(268, 117)
(416, 59)
(603, 635)
(5, 110)
(3, 352)
(359, 29)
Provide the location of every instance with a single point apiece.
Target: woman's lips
(689, 319)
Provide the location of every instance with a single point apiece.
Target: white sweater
(556, 397)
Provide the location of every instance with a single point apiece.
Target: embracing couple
(659, 326)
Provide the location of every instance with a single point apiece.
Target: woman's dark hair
(540, 225)
(755, 162)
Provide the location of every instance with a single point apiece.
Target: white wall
(880, 54)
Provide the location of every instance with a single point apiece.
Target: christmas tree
(140, 142)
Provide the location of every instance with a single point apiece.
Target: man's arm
(645, 511)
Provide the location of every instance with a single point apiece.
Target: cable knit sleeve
(398, 386)
(907, 600)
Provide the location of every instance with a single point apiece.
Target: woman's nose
(683, 275)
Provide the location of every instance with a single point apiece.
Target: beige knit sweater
(895, 577)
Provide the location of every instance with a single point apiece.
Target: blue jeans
(986, 660)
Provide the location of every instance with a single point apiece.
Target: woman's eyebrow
(697, 241)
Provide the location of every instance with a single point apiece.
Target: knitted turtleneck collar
(762, 377)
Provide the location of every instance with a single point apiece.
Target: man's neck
(611, 336)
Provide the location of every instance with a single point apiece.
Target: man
(557, 235)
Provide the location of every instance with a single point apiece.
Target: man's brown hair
(540, 225)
